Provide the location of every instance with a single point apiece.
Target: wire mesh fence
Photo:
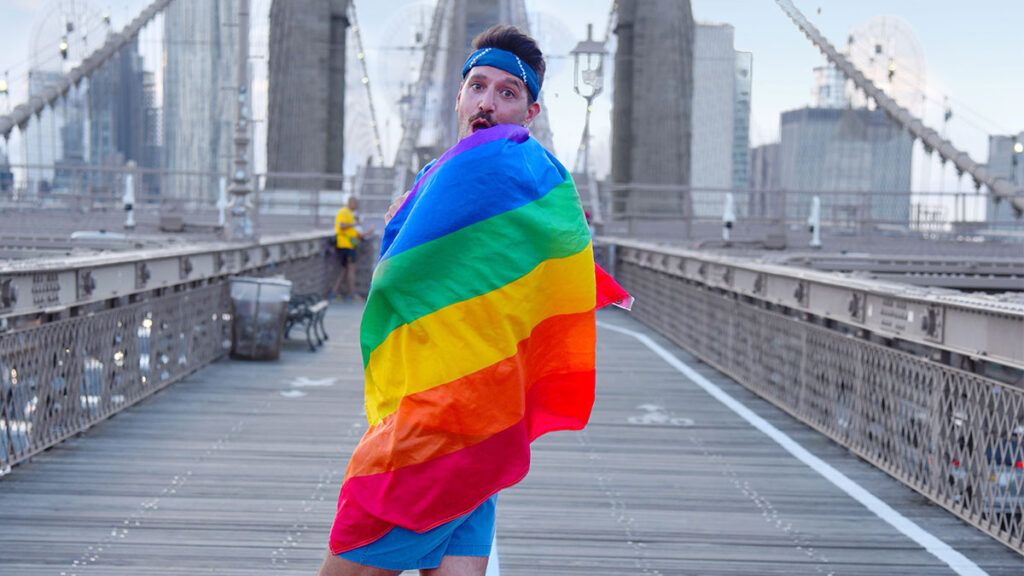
(59, 377)
(955, 436)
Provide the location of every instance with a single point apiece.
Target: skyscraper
(1004, 160)
(764, 182)
(152, 145)
(829, 88)
(741, 120)
(306, 112)
(200, 48)
(71, 175)
(720, 148)
(41, 146)
(6, 177)
(859, 159)
(116, 114)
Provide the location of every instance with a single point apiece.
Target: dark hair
(514, 40)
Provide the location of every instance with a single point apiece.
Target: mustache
(482, 115)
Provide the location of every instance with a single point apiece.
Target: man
(478, 335)
(346, 227)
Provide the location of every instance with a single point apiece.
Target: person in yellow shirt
(349, 235)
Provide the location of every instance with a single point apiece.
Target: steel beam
(52, 286)
(1002, 188)
(980, 326)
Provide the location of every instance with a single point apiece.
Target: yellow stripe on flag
(468, 336)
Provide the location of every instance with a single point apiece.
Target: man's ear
(458, 97)
(531, 111)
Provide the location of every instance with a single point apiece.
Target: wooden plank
(236, 470)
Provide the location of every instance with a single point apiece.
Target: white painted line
(492, 561)
(957, 561)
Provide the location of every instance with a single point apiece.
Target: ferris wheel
(887, 51)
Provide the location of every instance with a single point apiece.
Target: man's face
(490, 96)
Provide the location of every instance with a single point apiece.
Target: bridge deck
(235, 471)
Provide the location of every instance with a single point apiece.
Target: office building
(741, 120)
(857, 160)
(829, 88)
(6, 177)
(1004, 161)
(719, 149)
(763, 201)
(41, 147)
(116, 117)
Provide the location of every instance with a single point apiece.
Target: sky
(973, 58)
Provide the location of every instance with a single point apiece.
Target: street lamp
(588, 71)
(588, 81)
(241, 226)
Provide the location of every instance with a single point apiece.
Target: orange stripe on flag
(467, 411)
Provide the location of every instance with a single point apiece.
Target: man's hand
(394, 207)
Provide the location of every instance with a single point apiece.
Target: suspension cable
(1000, 187)
(361, 56)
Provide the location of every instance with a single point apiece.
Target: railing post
(129, 196)
(729, 217)
(814, 221)
(222, 201)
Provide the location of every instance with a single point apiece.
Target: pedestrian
(349, 234)
(478, 334)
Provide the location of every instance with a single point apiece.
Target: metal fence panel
(954, 436)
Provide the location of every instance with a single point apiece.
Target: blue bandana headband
(507, 61)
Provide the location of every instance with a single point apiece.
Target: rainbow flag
(478, 336)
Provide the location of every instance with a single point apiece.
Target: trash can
(259, 309)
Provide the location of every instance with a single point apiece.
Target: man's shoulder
(423, 171)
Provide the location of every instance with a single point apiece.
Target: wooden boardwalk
(235, 471)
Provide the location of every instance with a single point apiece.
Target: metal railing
(83, 339)
(310, 199)
(841, 211)
(898, 391)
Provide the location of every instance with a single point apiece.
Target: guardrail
(83, 338)
(926, 385)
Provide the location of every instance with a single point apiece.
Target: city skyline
(975, 78)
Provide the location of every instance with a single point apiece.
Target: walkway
(235, 471)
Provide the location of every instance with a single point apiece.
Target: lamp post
(588, 81)
(241, 227)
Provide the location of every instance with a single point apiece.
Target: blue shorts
(346, 256)
(403, 549)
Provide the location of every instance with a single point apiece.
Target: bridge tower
(307, 56)
(651, 118)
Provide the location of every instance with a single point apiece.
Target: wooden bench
(309, 311)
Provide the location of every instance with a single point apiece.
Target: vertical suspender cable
(361, 56)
